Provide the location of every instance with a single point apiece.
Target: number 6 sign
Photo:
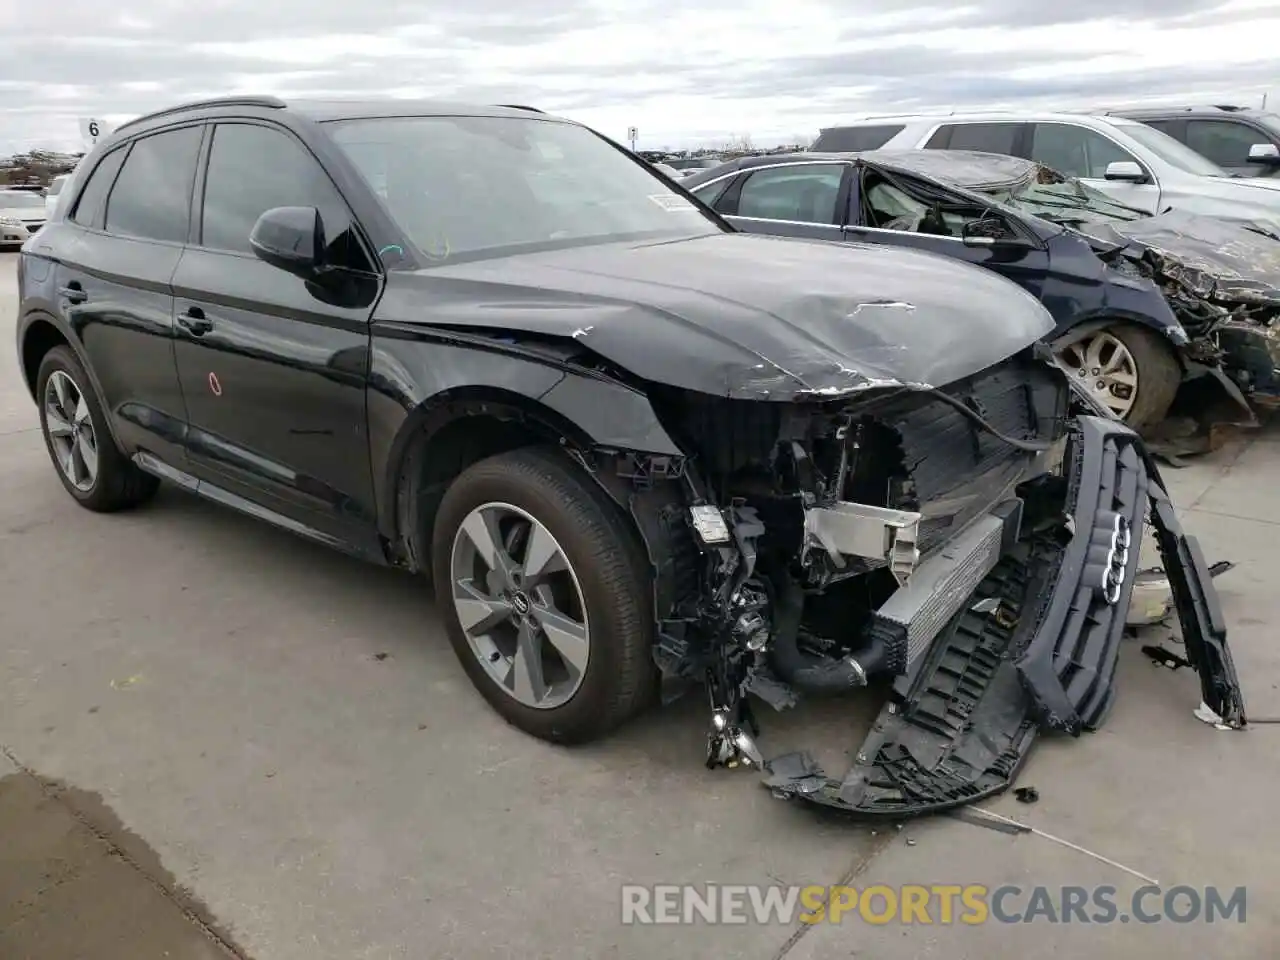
(90, 129)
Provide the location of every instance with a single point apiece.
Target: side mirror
(1266, 153)
(1126, 170)
(290, 238)
(989, 232)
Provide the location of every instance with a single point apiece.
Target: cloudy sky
(683, 73)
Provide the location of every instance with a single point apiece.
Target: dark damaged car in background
(633, 448)
(1171, 320)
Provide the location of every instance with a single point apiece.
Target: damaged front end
(1222, 280)
(975, 546)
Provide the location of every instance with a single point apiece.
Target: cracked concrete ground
(275, 752)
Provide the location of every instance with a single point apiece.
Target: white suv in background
(1135, 164)
(51, 195)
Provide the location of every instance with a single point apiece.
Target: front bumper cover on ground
(1035, 650)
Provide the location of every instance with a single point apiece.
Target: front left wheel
(90, 467)
(545, 596)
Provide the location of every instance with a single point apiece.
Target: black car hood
(742, 316)
(1216, 259)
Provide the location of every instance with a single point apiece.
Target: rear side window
(253, 169)
(805, 193)
(985, 137)
(1164, 126)
(152, 196)
(88, 211)
(855, 139)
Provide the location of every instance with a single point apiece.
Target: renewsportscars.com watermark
(940, 904)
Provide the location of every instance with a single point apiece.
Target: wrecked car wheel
(1130, 370)
(544, 596)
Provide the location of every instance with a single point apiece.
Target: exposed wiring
(1031, 446)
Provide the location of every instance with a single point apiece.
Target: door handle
(194, 322)
(74, 292)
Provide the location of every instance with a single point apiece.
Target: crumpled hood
(742, 315)
(1212, 258)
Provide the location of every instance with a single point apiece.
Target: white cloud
(729, 67)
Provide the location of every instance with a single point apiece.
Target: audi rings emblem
(1117, 563)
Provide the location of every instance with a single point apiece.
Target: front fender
(418, 383)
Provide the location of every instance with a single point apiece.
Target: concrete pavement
(289, 734)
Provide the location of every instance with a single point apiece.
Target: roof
(1180, 110)
(963, 168)
(325, 110)
(988, 117)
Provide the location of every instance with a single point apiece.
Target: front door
(899, 210)
(1085, 154)
(274, 367)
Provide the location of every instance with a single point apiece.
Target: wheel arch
(446, 434)
(1089, 323)
(40, 332)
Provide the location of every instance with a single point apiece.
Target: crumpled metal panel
(1017, 662)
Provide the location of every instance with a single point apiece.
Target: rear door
(274, 366)
(116, 256)
(805, 199)
(1005, 137)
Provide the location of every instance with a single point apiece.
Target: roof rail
(520, 106)
(273, 103)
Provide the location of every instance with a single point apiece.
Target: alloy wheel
(520, 605)
(70, 429)
(1106, 368)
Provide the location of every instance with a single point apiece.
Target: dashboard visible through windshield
(470, 187)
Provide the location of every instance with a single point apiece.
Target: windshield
(467, 187)
(1171, 151)
(1068, 202)
(16, 200)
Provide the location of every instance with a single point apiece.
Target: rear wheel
(544, 596)
(1131, 370)
(90, 467)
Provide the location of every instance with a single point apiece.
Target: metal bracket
(847, 529)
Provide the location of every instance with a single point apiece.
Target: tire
(605, 566)
(116, 483)
(1159, 374)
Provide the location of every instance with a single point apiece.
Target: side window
(1169, 127)
(804, 193)
(1224, 142)
(1075, 151)
(985, 137)
(854, 139)
(152, 196)
(88, 211)
(711, 192)
(254, 168)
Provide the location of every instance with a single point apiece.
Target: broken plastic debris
(1205, 714)
(1026, 794)
(582, 332)
(127, 682)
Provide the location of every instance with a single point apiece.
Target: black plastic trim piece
(959, 729)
